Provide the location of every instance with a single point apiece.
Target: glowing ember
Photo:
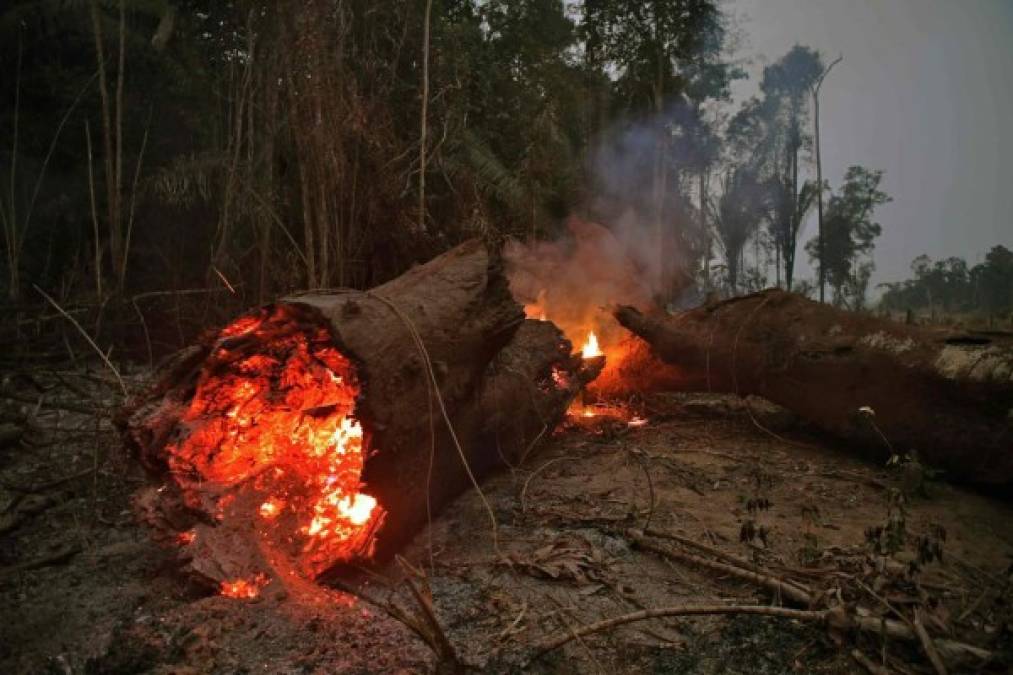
(242, 588)
(271, 508)
(272, 438)
(590, 348)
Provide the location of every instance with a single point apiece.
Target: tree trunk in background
(794, 225)
(659, 178)
(111, 108)
(704, 230)
(946, 395)
(819, 194)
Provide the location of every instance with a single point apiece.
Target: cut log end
(314, 432)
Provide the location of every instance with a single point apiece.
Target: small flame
(243, 588)
(590, 348)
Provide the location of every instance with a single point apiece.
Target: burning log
(313, 432)
(946, 395)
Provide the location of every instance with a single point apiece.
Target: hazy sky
(925, 92)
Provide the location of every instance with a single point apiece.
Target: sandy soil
(83, 588)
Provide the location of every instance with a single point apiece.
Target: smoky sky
(925, 92)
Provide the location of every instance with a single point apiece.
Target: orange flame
(590, 348)
(243, 588)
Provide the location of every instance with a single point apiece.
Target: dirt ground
(83, 589)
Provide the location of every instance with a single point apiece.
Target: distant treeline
(951, 286)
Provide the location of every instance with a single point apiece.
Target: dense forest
(249, 148)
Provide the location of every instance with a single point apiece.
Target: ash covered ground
(84, 589)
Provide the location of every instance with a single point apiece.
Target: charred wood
(945, 396)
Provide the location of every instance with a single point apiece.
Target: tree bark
(946, 395)
(505, 383)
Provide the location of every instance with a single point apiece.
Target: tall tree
(738, 216)
(664, 52)
(819, 168)
(850, 233)
(786, 85)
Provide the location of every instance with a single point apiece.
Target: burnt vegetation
(459, 336)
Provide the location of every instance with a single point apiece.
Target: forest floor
(84, 589)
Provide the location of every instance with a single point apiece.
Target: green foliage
(769, 134)
(740, 212)
(951, 286)
(850, 233)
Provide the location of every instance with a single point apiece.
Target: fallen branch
(678, 610)
(780, 587)
(59, 557)
(441, 643)
(950, 649)
(928, 645)
(868, 664)
(716, 552)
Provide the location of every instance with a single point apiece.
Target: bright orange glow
(242, 588)
(536, 309)
(271, 508)
(590, 348)
(357, 509)
(271, 440)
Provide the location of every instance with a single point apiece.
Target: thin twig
(445, 648)
(87, 337)
(133, 199)
(524, 490)
(650, 486)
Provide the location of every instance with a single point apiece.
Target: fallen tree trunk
(946, 395)
(314, 432)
